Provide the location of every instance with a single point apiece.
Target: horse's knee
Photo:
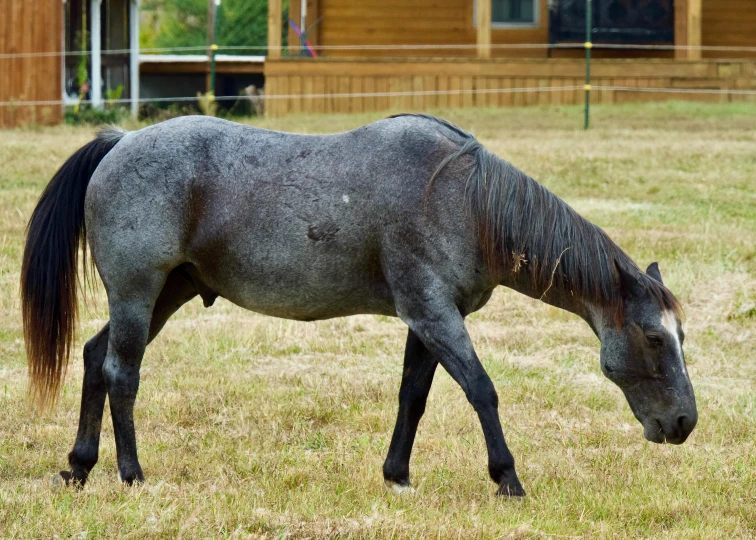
(482, 394)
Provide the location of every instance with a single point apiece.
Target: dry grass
(255, 427)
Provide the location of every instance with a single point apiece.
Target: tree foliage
(183, 23)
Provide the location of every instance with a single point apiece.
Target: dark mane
(523, 227)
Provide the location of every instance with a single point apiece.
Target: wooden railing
(360, 85)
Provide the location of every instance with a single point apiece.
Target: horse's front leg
(440, 326)
(417, 377)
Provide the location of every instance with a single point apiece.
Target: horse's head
(644, 357)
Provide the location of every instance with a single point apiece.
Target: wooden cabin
(381, 55)
(422, 54)
(520, 22)
(47, 46)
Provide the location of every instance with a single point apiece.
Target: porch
(344, 85)
(459, 57)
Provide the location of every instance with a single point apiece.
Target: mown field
(251, 426)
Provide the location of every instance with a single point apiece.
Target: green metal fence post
(588, 46)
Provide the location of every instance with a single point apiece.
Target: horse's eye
(654, 339)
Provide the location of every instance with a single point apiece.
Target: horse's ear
(628, 281)
(653, 271)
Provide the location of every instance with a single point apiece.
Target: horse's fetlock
(396, 473)
(82, 462)
(500, 471)
(83, 456)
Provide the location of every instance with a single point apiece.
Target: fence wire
(405, 47)
(474, 91)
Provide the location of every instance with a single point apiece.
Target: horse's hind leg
(417, 377)
(178, 289)
(131, 301)
(85, 451)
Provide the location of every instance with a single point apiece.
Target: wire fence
(397, 47)
(409, 93)
(257, 100)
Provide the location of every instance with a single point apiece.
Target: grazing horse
(408, 217)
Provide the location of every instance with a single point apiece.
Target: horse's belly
(304, 306)
(303, 296)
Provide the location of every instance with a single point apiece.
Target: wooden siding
(450, 22)
(418, 22)
(30, 27)
(420, 84)
(729, 23)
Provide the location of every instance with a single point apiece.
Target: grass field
(250, 426)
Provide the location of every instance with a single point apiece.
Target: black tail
(49, 276)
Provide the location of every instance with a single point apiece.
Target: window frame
(511, 25)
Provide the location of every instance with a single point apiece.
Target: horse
(408, 217)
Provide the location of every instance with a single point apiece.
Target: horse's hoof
(399, 489)
(68, 478)
(133, 479)
(514, 492)
(61, 480)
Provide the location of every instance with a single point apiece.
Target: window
(514, 12)
(614, 21)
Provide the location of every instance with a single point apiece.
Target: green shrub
(87, 115)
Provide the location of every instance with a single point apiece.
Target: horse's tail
(49, 276)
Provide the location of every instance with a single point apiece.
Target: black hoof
(510, 491)
(510, 486)
(131, 479)
(70, 478)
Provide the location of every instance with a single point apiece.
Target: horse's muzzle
(674, 431)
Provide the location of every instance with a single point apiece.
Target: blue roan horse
(408, 217)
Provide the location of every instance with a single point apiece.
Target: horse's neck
(555, 295)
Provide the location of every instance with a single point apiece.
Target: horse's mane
(523, 227)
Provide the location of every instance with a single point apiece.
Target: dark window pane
(513, 11)
(614, 21)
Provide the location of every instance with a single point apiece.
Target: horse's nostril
(686, 423)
